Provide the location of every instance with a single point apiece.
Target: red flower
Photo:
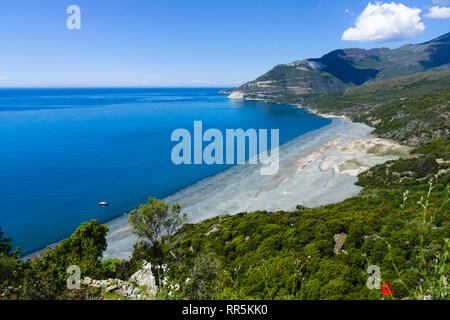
(386, 289)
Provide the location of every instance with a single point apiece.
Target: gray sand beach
(315, 169)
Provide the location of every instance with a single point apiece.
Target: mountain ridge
(344, 68)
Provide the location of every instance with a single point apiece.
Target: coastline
(317, 168)
(323, 115)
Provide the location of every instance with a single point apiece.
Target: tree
(87, 243)
(156, 218)
(8, 260)
(5, 246)
(7, 266)
(83, 248)
(44, 277)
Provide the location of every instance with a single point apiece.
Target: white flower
(187, 280)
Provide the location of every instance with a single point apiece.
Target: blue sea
(64, 150)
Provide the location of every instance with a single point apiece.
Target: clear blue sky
(176, 43)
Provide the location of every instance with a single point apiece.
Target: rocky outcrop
(236, 95)
(215, 228)
(339, 240)
(144, 277)
(140, 286)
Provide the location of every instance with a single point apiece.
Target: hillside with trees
(398, 224)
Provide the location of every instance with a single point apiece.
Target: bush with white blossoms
(168, 289)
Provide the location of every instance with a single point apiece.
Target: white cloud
(438, 13)
(441, 2)
(385, 22)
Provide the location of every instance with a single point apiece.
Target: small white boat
(103, 203)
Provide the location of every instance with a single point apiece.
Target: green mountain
(345, 68)
(412, 109)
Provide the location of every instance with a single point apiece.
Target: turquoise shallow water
(64, 150)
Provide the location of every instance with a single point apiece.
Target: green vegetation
(399, 222)
(430, 265)
(8, 259)
(45, 277)
(401, 225)
(382, 92)
(438, 148)
(155, 219)
(5, 246)
(412, 109)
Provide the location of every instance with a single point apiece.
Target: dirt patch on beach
(358, 154)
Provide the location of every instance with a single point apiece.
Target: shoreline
(323, 115)
(317, 168)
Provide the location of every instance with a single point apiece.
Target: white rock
(111, 288)
(144, 277)
(236, 95)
